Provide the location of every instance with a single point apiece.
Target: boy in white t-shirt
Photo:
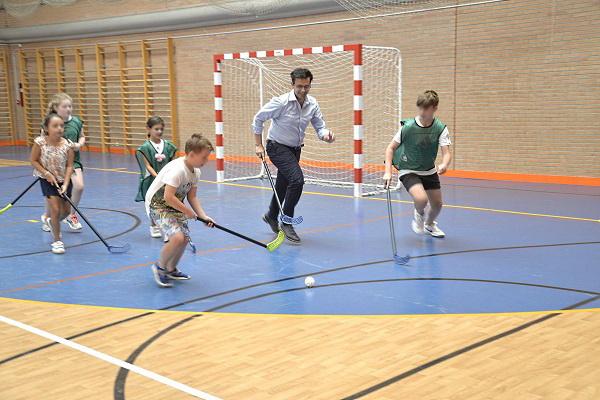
(413, 152)
(174, 183)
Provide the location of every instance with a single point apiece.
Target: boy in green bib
(152, 156)
(413, 152)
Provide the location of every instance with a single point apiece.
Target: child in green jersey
(152, 156)
(413, 152)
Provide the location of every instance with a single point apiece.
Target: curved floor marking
(316, 273)
(276, 292)
(121, 379)
(463, 350)
(119, 386)
(347, 267)
(137, 222)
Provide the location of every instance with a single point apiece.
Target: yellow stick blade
(6, 208)
(277, 242)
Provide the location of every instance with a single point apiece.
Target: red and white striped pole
(358, 119)
(358, 103)
(220, 153)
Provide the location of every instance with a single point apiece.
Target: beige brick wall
(519, 80)
(92, 9)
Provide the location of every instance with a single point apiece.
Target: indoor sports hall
(135, 261)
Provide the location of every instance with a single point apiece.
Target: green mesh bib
(419, 147)
(73, 133)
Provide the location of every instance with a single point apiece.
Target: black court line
(316, 273)
(34, 350)
(121, 379)
(296, 289)
(461, 351)
(220, 307)
(523, 247)
(137, 222)
(119, 387)
(346, 267)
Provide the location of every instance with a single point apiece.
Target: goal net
(373, 9)
(358, 89)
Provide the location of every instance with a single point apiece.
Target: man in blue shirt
(290, 114)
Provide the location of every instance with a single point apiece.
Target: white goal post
(358, 88)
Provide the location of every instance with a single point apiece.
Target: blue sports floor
(510, 247)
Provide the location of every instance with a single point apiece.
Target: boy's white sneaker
(434, 230)
(45, 223)
(58, 247)
(418, 223)
(155, 232)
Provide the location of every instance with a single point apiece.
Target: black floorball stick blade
(116, 249)
(401, 260)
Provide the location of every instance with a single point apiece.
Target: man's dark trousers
(290, 179)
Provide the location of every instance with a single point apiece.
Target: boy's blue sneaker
(160, 276)
(178, 275)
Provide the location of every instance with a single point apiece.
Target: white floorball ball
(309, 281)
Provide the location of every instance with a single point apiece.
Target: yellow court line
(13, 163)
(224, 314)
(121, 170)
(345, 196)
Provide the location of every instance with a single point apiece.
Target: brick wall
(519, 80)
(92, 9)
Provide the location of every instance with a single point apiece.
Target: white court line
(110, 359)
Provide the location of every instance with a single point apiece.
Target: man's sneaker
(166, 238)
(155, 231)
(290, 233)
(434, 231)
(58, 247)
(160, 276)
(178, 275)
(417, 224)
(271, 222)
(45, 223)
(73, 222)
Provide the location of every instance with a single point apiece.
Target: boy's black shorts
(429, 182)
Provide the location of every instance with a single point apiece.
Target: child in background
(152, 156)
(177, 181)
(62, 104)
(52, 157)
